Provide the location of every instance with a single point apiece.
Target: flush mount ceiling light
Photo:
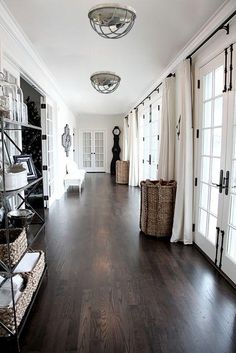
(112, 20)
(105, 82)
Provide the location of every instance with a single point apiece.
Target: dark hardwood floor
(112, 290)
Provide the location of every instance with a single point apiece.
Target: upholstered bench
(74, 176)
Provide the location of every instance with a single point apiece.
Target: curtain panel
(125, 140)
(182, 226)
(166, 166)
(133, 149)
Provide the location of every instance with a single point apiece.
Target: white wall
(18, 55)
(102, 122)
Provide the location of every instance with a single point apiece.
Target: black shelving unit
(26, 197)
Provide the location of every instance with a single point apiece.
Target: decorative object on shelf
(115, 149)
(11, 100)
(112, 21)
(122, 172)
(15, 177)
(157, 207)
(66, 140)
(20, 218)
(105, 82)
(27, 161)
(24, 118)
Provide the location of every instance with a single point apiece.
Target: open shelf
(32, 235)
(15, 125)
(10, 193)
(24, 319)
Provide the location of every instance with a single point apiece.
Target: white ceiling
(61, 33)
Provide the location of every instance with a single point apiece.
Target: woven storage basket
(32, 279)
(157, 207)
(122, 172)
(18, 245)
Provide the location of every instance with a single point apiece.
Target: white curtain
(140, 112)
(125, 139)
(166, 167)
(182, 227)
(133, 149)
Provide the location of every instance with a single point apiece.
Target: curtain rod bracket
(226, 28)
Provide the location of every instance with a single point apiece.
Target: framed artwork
(27, 161)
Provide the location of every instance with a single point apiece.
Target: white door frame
(229, 98)
(93, 168)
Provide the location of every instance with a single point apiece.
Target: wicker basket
(18, 245)
(157, 207)
(31, 279)
(122, 172)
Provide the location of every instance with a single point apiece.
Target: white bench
(74, 176)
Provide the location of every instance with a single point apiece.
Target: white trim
(225, 10)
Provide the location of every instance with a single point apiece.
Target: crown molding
(9, 24)
(224, 11)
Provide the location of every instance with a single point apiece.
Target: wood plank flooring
(112, 290)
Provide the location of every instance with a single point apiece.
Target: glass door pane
(99, 150)
(229, 219)
(155, 137)
(211, 150)
(210, 155)
(87, 149)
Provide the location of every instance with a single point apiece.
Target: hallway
(112, 290)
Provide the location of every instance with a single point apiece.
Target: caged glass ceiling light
(112, 21)
(105, 82)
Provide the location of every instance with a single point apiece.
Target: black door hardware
(222, 247)
(226, 183)
(220, 185)
(217, 243)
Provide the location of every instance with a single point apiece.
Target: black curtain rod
(224, 25)
(148, 96)
(155, 89)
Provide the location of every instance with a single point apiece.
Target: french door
(48, 151)
(149, 138)
(92, 147)
(216, 195)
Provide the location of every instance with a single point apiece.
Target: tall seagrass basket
(122, 172)
(157, 207)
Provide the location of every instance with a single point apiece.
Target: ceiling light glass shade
(112, 21)
(105, 82)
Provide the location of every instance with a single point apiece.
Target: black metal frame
(224, 25)
(7, 269)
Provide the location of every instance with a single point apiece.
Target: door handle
(220, 185)
(226, 183)
(217, 243)
(222, 247)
